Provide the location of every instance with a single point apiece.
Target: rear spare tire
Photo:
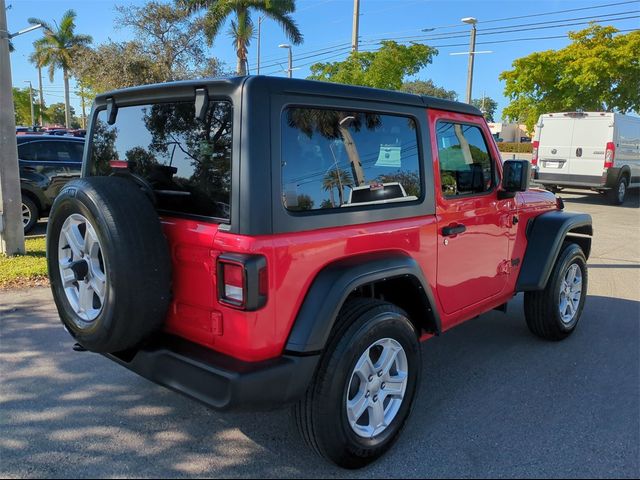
(109, 263)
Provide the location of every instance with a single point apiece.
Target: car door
(473, 224)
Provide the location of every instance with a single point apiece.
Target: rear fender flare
(335, 282)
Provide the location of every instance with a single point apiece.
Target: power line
(445, 35)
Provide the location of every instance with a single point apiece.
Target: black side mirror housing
(515, 177)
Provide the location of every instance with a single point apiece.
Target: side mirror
(515, 177)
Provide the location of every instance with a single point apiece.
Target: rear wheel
(365, 385)
(618, 194)
(30, 214)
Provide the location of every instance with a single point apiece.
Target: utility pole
(33, 117)
(472, 51)
(41, 96)
(356, 21)
(11, 229)
(259, 25)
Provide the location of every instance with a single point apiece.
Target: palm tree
(339, 179)
(217, 12)
(37, 58)
(57, 49)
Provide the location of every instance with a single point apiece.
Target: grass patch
(25, 270)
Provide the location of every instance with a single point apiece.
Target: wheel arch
(393, 276)
(546, 234)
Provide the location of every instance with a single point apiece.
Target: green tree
(167, 46)
(487, 106)
(56, 114)
(338, 179)
(242, 27)
(58, 48)
(599, 70)
(37, 58)
(22, 106)
(384, 68)
(427, 87)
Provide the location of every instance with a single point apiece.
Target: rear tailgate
(554, 149)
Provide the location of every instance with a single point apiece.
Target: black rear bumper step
(217, 380)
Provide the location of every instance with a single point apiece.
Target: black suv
(47, 163)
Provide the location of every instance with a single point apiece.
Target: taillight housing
(534, 153)
(243, 281)
(609, 155)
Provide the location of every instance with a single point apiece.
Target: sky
(327, 24)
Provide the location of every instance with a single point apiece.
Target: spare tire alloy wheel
(82, 269)
(109, 264)
(377, 387)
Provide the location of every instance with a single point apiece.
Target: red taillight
(234, 282)
(243, 280)
(609, 155)
(534, 153)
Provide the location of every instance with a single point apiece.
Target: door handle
(454, 230)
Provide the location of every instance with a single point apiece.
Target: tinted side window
(186, 160)
(465, 163)
(75, 150)
(339, 158)
(26, 151)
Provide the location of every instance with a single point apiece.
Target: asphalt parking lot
(494, 400)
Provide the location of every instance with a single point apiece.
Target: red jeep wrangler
(254, 242)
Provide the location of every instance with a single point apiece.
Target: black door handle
(455, 230)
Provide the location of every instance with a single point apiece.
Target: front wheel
(363, 391)
(30, 214)
(553, 313)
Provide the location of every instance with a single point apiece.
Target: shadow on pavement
(595, 198)
(494, 401)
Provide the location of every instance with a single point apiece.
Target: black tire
(134, 255)
(33, 212)
(321, 416)
(542, 308)
(618, 194)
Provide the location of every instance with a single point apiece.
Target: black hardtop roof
(280, 85)
(56, 138)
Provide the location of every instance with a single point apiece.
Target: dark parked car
(46, 165)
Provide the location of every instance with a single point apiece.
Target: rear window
(339, 158)
(187, 161)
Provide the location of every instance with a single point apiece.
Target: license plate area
(557, 164)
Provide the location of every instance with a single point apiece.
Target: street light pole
(290, 69)
(259, 25)
(11, 229)
(472, 48)
(356, 22)
(33, 117)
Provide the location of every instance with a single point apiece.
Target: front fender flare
(545, 236)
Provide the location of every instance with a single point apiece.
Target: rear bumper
(217, 380)
(568, 180)
(608, 179)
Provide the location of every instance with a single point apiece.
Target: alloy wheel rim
(377, 387)
(570, 293)
(26, 215)
(82, 269)
(621, 191)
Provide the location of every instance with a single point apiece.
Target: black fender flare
(335, 282)
(545, 236)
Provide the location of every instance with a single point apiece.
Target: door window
(465, 163)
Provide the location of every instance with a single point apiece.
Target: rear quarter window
(343, 159)
(187, 161)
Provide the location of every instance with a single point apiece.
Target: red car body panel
(474, 273)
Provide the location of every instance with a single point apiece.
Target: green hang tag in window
(389, 156)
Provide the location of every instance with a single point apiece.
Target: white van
(595, 150)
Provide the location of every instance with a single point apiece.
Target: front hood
(537, 198)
